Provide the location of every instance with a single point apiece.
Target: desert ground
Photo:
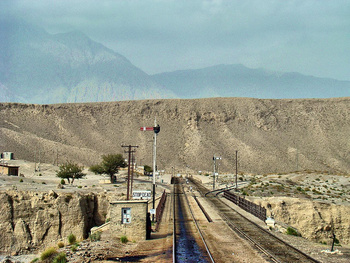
(273, 189)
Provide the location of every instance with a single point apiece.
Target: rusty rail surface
(250, 207)
(160, 209)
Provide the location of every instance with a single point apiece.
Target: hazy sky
(307, 36)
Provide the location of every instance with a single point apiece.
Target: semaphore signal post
(156, 130)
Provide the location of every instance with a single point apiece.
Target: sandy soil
(232, 248)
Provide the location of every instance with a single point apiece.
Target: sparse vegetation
(60, 244)
(70, 170)
(60, 258)
(124, 239)
(72, 239)
(95, 236)
(147, 170)
(48, 253)
(110, 165)
(74, 248)
(291, 231)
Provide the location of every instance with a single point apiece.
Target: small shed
(7, 156)
(6, 169)
(130, 218)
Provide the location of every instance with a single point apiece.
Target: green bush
(34, 260)
(62, 181)
(21, 180)
(124, 239)
(291, 231)
(95, 236)
(72, 239)
(74, 248)
(48, 253)
(60, 244)
(60, 258)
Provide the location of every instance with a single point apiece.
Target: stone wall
(136, 228)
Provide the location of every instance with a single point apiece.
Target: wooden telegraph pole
(130, 151)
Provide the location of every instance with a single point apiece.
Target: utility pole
(214, 173)
(156, 130)
(214, 160)
(297, 159)
(56, 161)
(129, 151)
(39, 161)
(132, 170)
(236, 170)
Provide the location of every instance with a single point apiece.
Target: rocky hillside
(270, 135)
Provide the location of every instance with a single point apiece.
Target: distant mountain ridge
(67, 67)
(240, 81)
(38, 67)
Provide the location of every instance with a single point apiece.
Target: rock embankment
(314, 220)
(29, 220)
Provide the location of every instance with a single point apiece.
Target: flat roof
(128, 201)
(8, 165)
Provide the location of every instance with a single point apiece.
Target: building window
(126, 215)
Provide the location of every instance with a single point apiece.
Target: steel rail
(197, 226)
(244, 235)
(193, 220)
(241, 232)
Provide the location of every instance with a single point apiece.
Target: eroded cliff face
(30, 219)
(314, 220)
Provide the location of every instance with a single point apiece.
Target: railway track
(275, 249)
(188, 242)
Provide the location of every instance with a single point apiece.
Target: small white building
(7, 156)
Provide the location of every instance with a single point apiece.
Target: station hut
(6, 169)
(130, 218)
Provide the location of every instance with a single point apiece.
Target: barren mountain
(269, 135)
(38, 67)
(240, 81)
